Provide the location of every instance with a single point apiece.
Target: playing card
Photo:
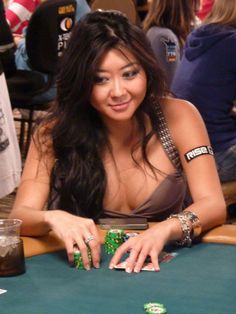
(164, 257)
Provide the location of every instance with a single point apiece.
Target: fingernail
(128, 270)
(111, 266)
(87, 267)
(96, 265)
(136, 270)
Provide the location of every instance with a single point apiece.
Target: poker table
(200, 279)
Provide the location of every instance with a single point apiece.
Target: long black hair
(77, 133)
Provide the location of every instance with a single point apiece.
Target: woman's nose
(117, 88)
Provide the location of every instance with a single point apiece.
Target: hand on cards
(164, 257)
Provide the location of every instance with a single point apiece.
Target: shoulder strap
(165, 138)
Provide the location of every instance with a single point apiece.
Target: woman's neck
(123, 134)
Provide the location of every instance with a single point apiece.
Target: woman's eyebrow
(122, 68)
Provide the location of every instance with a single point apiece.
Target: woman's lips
(120, 107)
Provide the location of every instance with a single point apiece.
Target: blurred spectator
(207, 77)
(205, 9)
(167, 24)
(18, 14)
(7, 46)
(10, 160)
(22, 58)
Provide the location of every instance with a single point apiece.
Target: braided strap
(166, 139)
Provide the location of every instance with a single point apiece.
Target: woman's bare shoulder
(177, 107)
(184, 120)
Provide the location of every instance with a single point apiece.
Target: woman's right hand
(74, 231)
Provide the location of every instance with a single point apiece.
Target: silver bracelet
(190, 226)
(195, 223)
(186, 231)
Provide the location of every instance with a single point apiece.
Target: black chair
(47, 34)
(23, 85)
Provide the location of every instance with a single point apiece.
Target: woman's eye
(100, 80)
(130, 74)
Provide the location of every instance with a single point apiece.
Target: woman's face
(119, 87)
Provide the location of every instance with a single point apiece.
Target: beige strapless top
(171, 195)
(166, 199)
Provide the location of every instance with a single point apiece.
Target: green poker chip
(78, 262)
(151, 304)
(113, 239)
(155, 308)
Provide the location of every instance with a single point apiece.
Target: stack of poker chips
(155, 308)
(114, 238)
(78, 262)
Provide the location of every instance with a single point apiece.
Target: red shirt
(205, 8)
(19, 12)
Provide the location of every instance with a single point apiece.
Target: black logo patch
(198, 151)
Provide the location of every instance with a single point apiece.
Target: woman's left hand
(147, 244)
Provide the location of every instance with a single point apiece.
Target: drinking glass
(12, 260)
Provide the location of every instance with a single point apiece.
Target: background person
(22, 60)
(205, 8)
(7, 45)
(114, 145)
(207, 78)
(18, 13)
(167, 24)
(10, 159)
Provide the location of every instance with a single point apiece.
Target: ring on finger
(89, 238)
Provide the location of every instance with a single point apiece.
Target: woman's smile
(120, 106)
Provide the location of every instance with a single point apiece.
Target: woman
(207, 78)
(167, 24)
(106, 150)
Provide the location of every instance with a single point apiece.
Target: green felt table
(201, 279)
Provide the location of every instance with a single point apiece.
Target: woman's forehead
(120, 54)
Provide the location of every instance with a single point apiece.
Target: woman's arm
(29, 206)
(188, 132)
(33, 193)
